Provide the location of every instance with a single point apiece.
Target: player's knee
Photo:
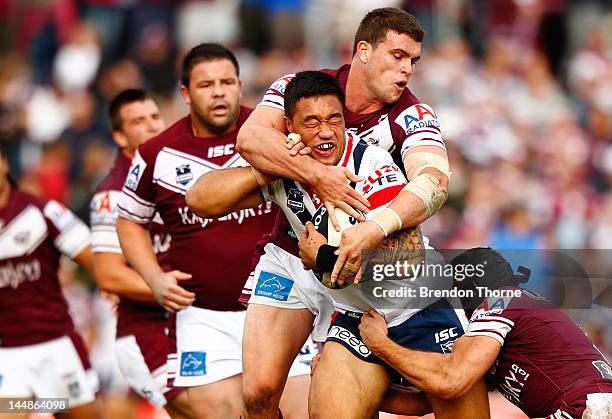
(260, 396)
(216, 408)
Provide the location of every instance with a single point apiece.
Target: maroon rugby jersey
(546, 363)
(397, 127)
(217, 252)
(134, 317)
(33, 235)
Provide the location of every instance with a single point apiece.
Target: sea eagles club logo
(183, 174)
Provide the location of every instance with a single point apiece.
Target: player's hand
(354, 240)
(169, 294)
(296, 146)
(310, 241)
(373, 329)
(332, 187)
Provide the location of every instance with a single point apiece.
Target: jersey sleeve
(70, 235)
(493, 323)
(136, 199)
(103, 217)
(420, 126)
(269, 192)
(383, 179)
(275, 95)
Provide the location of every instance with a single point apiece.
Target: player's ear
(185, 94)
(288, 124)
(120, 139)
(364, 50)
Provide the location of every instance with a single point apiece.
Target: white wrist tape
(427, 188)
(258, 176)
(388, 220)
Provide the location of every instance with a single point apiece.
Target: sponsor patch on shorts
(347, 339)
(193, 364)
(273, 286)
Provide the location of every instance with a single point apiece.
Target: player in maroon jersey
(142, 342)
(41, 354)
(210, 257)
(382, 111)
(539, 358)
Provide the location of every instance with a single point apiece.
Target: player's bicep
(266, 117)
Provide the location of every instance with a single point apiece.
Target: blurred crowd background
(523, 89)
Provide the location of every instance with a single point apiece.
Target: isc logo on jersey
(220, 150)
(417, 117)
(136, 170)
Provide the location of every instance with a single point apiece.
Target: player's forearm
(137, 248)
(115, 277)
(265, 149)
(85, 260)
(220, 192)
(411, 208)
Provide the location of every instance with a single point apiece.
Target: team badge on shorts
(193, 364)
(273, 286)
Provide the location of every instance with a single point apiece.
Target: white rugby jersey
(383, 181)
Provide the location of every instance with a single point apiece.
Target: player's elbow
(202, 203)
(104, 277)
(452, 387)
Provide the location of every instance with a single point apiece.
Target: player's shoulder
(367, 152)
(411, 114)
(167, 138)
(280, 84)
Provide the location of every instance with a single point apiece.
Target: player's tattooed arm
(447, 376)
(262, 141)
(221, 192)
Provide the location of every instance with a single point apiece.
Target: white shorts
(208, 346)
(150, 384)
(281, 281)
(51, 369)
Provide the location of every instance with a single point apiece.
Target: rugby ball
(404, 245)
(323, 225)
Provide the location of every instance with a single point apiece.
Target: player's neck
(127, 153)
(201, 130)
(359, 99)
(5, 192)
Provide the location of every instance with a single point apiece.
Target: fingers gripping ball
(323, 225)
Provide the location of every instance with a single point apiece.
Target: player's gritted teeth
(325, 149)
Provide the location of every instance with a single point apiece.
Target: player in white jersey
(381, 109)
(315, 111)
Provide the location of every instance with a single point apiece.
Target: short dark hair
(375, 25)
(205, 52)
(124, 98)
(310, 84)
